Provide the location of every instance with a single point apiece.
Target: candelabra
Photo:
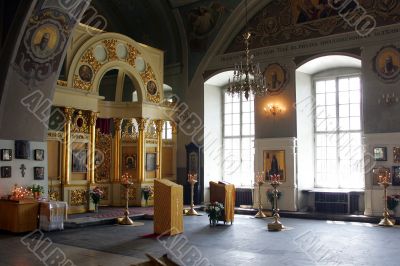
(276, 225)
(192, 179)
(388, 99)
(127, 184)
(260, 181)
(385, 183)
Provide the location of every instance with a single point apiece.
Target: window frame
(321, 77)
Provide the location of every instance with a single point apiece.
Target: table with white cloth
(52, 215)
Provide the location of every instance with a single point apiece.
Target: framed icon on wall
(380, 154)
(22, 149)
(6, 154)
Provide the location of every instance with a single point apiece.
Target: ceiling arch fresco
(110, 50)
(294, 20)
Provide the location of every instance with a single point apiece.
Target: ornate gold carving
(62, 83)
(132, 194)
(80, 136)
(93, 118)
(132, 54)
(174, 127)
(141, 123)
(151, 131)
(68, 112)
(54, 195)
(110, 46)
(129, 132)
(103, 157)
(78, 197)
(55, 134)
(80, 84)
(80, 124)
(89, 58)
(151, 141)
(159, 125)
(148, 75)
(117, 123)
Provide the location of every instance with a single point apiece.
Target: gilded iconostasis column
(92, 151)
(117, 148)
(68, 112)
(141, 145)
(159, 128)
(174, 140)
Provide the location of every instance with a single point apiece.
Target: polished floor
(246, 242)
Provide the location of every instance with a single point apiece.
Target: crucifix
(23, 168)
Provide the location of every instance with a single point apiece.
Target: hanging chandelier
(247, 76)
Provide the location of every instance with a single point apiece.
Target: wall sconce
(273, 109)
(388, 99)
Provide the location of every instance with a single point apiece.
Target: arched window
(108, 85)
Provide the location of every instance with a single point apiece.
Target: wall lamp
(273, 109)
(388, 99)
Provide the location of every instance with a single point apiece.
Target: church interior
(199, 132)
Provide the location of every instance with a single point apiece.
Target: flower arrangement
(147, 192)
(37, 190)
(215, 212)
(96, 194)
(392, 201)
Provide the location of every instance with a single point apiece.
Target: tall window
(167, 130)
(238, 138)
(338, 147)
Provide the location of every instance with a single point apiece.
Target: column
(68, 112)
(141, 146)
(117, 148)
(174, 140)
(159, 128)
(92, 146)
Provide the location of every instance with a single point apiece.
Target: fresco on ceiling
(203, 20)
(308, 19)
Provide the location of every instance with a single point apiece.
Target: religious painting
(22, 149)
(44, 41)
(6, 154)
(151, 163)
(39, 155)
(378, 173)
(38, 173)
(85, 73)
(6, 171)
(79, 161)
(396, 175)
(193, 163)
(98, 157)
(275, 77)
(310, 10)
(380, 154)
(151, 87)
(130, 161)
(396, 154)
(387, 64)
(274, 164)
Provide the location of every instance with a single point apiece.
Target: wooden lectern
(168, 207)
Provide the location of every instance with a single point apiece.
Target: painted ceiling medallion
(387, 64)
(276, 78)
(151, 87)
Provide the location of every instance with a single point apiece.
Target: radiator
(244, 196)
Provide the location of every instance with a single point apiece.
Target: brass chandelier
(247, 77)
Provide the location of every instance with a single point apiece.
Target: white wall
(6, 184)
(213, 137)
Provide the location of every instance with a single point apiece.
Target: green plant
(392, 201)
(35, 188)
(215, 212)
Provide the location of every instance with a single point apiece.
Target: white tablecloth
(52, 215)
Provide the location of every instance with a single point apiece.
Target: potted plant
(96, 194)
(37, 190)
(215, 212)
(147, 192)
(392, 202)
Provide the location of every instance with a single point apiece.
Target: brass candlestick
(260, 213)
(192, 179)
(385, 221)
(260, 181)
(127, 185)
(276, 225)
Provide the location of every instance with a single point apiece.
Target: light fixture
(273, 109)
(247, 76)
(388, 99)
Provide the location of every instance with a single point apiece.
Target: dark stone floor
(246, 242)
